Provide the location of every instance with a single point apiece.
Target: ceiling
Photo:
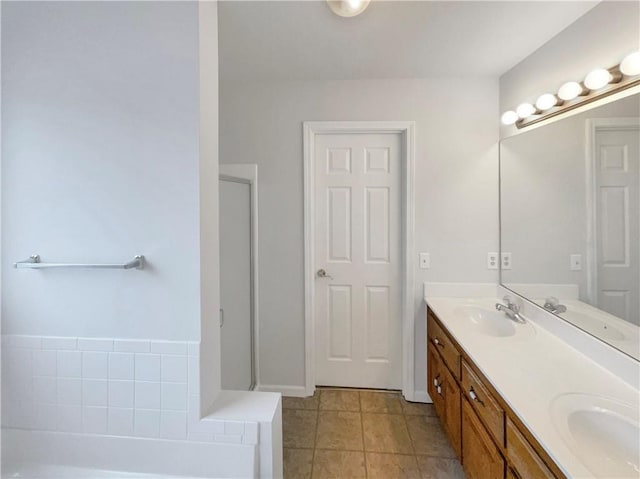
(302, 40)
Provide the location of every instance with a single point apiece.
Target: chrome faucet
(552, 304)
(511, 309)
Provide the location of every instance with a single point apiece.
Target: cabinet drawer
(483, 403)
(445, 347)
(526, 460)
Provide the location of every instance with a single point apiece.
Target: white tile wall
(125, 387)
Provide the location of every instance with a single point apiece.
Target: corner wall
(456, 189)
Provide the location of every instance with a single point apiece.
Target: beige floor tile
(299, 428)
(391, 466)
(338, 465)
(382, 402)
(428, 437)
(417, 408)
(339, 430)
(297, 463)
(440, 468)
(301, 403)
(386, 433)
(339, 400)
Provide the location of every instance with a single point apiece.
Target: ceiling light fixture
(348, 8)
(598, 84)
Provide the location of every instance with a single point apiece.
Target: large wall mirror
(570, 217)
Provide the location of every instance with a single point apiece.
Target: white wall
(100, 162)
(600, 38)
(210, 364)
(456, 184)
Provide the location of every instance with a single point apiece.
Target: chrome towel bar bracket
(34, 262)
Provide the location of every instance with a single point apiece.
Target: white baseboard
(421, 396)
(300, 392)
(287, 391)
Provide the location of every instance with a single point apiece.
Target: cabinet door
(480, 457)
(452, 418)
(435, 380)
(523, 457)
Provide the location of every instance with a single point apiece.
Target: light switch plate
(506, 260)
(492, 260)
(425, 260)
(575, 260)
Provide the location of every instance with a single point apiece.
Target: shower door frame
(248, 174)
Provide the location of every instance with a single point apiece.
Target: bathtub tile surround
(122, 387)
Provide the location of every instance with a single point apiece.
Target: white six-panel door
(358, 282)
(618, 226)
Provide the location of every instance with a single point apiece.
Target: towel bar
(34, 263)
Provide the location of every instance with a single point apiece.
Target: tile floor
(349, 434)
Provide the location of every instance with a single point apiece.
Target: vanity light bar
(598, 84)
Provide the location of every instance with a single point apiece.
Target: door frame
(407, 201)
(248, 173)
(593, 126)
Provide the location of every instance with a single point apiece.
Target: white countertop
(530, 371)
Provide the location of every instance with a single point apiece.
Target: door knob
(323, 274)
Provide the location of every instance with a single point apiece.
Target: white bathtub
(40, 471)
(41, 454)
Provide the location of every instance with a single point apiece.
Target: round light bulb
(597, 79)
(525, 110)
(569, 91)
(630, 65)
(355, 4)
(546, 101)
(509, 117)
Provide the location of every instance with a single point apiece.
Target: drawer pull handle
(437, 342)
(437, 382)
(474, 396)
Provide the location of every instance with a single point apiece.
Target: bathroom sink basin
(489, 322)
(603, 433)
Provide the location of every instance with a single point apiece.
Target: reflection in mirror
(570, 217)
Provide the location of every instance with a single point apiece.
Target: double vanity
(518, 401)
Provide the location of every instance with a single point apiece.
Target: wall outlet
(425, 261)
(492, 260)
(575, 261)
(506, 260)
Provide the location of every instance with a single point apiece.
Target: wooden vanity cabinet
(485, 434)
(445, 393)
(481, 457)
